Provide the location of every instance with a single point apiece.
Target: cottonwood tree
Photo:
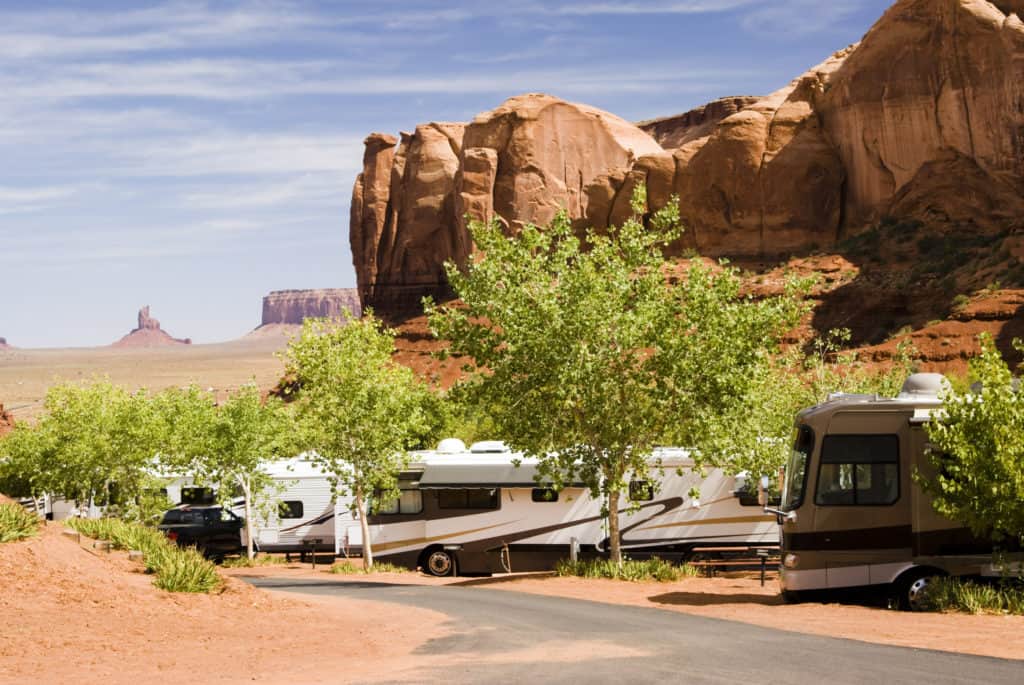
(228, 445)
(358, 411)
(978, 451)
(588, 357)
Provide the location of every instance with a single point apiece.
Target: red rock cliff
(923, 119)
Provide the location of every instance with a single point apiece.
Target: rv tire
(791, 597)
(911, 588)
(437, 561)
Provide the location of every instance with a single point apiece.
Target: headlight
(791, 560)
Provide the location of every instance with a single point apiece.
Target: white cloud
(19, 200)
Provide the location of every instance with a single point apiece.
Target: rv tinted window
(409, 502)
(858, 470)
(291, 509)
(468, 499)
(544, 495)
(641, 491)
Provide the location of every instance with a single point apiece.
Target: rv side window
(858, 470)
(544, 495)
(409, 502)
(640, 491)
(291, 509)
(468, 499)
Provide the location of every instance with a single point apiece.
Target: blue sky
(194, 156)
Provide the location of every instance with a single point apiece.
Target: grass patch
(259, 560)
(632, 569)
(176, 569)
(975, 597)
(16, 523)
(348, 568)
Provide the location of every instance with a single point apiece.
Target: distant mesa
(3, 344)
(288, 308)
(149, 334)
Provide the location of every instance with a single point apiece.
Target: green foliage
(176, 569)
(348, 568)
(358, 411)
(975, 597)
(978, 454)
(586, 358)
(631, 569)
(261, 560)
(754, 435)
(16, 523)
(961, 301)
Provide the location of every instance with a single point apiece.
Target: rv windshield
(796, 468)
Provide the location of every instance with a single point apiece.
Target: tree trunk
(364, 525)
(248, 519)
(615, 546)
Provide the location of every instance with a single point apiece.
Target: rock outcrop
(923, 119)
(521, 162)
(675, 131)
(148, 333)
(295, 306)
(6, 420)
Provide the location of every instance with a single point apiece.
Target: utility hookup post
(763, 553)
(574, 550)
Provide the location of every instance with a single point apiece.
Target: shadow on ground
(709, 599)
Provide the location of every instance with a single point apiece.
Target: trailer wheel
(439, 562)
(912, 588)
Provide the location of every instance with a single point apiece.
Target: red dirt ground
(74, 615)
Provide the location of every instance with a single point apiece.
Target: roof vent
(451, 446)
(489, 447)
(925, 385)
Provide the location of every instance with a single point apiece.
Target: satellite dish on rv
(489, 447)
(925, 385)
(451, 446)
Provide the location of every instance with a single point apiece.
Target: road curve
(501, 636)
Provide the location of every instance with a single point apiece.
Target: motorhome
(483, 510)
(853, 513)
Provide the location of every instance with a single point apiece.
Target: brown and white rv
(852, 512)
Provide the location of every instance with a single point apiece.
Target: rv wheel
(791, 597)
(440, 562)
(912, 589)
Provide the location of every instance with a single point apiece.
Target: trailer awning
(471, 476)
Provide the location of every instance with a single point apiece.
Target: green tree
(588, 357)
(358, 411)
(978, 451)
(24, 457)
(227, 446)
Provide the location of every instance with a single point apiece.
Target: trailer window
(640, 491)
(858, 470)
(408, 502)
(292, 509)
(468, 499)
(544, 495)
(796, 468)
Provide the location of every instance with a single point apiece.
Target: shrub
(176, 569)
(347, 567)
(261, 560)
(16, 523)
(632, 569)
(976, 597)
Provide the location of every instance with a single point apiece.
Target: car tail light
(172, 536)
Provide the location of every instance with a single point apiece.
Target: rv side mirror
(762, 491)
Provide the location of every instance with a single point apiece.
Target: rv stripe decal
(323, 518)
(889, 537)
(419, 541)
(703, 522)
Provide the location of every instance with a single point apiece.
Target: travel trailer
(852, 513)
(302, 518)
(481, 510)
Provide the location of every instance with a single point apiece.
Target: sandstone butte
(922, 120)
(149, 334)
(3, 344)
(292, 307)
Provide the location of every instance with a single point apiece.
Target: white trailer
(482, 510)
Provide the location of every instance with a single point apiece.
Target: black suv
(212, 530)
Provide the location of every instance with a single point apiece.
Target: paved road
(498, 636)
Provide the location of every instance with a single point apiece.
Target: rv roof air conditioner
(451, 446)
(489, 447)
(924, 385)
